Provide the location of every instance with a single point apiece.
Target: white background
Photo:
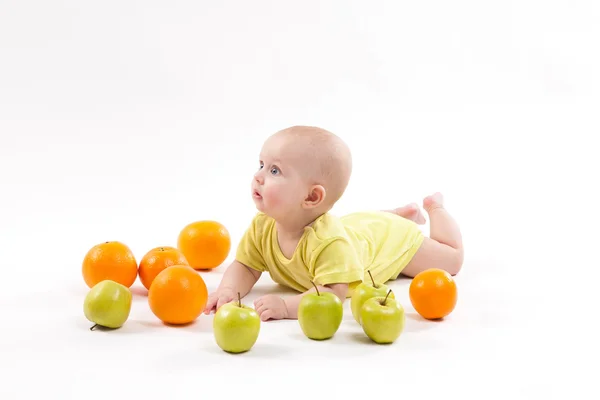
(126, 120)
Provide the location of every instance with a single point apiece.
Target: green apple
(320, 314)
(363, 292)
(382, 319)
(236, 327)
(107, 304)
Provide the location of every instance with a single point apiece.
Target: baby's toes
(436, 200)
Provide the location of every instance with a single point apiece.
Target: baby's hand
(218, 298)
(270, 307)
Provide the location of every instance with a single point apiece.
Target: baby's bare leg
(410, 211)
(444, 248)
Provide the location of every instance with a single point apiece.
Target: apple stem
(239, 299)
(316, 288)
(372, 280)
(386, 296)
(93, 326)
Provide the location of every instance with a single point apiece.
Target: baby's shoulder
(326, 230)
(328, 240)
(259, 227)
(261, 221)
(328, 225)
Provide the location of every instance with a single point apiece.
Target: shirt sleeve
(248, 251)
(337, 262)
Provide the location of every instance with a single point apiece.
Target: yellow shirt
(333, 250)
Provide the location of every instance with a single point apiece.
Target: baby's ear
(315, 197)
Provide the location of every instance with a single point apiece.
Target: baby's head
(303, 172)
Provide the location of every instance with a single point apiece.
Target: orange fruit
(156, 260)
(109, 260)
(433, 293)
(164, 247)
(177, 295)
(205, 244)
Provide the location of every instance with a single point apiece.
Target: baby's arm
(238, 278)
(335, 266)
(271, 306)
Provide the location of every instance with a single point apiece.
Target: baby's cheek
(272, 197)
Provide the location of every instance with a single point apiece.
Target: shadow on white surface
(259, 350)
(416, 323)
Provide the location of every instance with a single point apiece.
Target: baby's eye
(274, 170)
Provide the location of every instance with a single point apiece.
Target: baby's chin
(259, 205)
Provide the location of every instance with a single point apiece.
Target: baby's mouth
(256, 194)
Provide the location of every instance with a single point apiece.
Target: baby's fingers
(266, 315)
(223, 300)
(210, 303)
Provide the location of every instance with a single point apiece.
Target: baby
(303, 171)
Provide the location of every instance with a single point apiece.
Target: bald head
(324, 157)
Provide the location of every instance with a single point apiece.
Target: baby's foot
(433, 202)
(411, 212)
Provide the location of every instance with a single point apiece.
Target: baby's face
(279, 186)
